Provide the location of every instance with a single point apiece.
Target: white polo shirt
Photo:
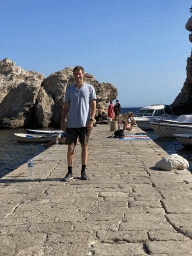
(79, 100)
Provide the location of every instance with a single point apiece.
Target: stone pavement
(126, 208)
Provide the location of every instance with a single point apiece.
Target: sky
(139, 46)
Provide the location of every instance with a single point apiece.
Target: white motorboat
(184, 139)
(46, 132)
(34, 137)
(182, 119)
(151, 113)
(169, 128)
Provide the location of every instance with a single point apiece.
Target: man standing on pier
(117, 110)
(80, 108)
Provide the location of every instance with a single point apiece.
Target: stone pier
(127, 207)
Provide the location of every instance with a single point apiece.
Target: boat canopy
(153, 110)
(154, 107)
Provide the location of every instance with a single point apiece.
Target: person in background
(131, 118)
(61, 140)
(100, 115)
(117, 110)
(80, 107)
(130, 121)
(111, 111)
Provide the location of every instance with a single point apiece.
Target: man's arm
(93, 109)
(92, 115)
(64, 116)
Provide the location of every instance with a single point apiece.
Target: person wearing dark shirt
(117, 109)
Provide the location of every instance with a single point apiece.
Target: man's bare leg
(84, 155)
(70, 154)
(70, 160)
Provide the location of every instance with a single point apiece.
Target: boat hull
(46, 132)
(168, 130)
(184, 139)
(143, 123)
(22, 137)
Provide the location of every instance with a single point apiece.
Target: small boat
(47, 132)
(182, 119)
(169, 128)
(184, 139)
(24, 137)
(151, 113)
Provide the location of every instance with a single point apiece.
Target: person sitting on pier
(61, 140)
(100, 115)
(130, 121)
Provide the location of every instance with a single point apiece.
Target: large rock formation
(51, 98)
(27, 99)
(183, 102)
(19, 90)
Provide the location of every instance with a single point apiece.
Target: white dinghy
(46, 132)
(23, 137)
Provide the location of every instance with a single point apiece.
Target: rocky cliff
(29, 100)
(19, 90)
(183, 102)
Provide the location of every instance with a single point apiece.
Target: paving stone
(9, 221)
(8, 247)
(155, 211)
(144, 222)
(69, 243)
(95, 225)
(32, 250)
(178, 220)
(163, 235)
(177, 206)
(117, 249)
(50, 228)
(118, 236)
(146, 203)
(7, 209)
(170, 247)
(102, 216)
(115, 203)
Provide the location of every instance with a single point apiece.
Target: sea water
(13, 153)
(134, 110)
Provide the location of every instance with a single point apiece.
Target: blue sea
(134, 110)
(14, 154)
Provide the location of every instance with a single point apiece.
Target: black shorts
(73, 133)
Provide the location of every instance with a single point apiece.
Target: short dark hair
(78, 68)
